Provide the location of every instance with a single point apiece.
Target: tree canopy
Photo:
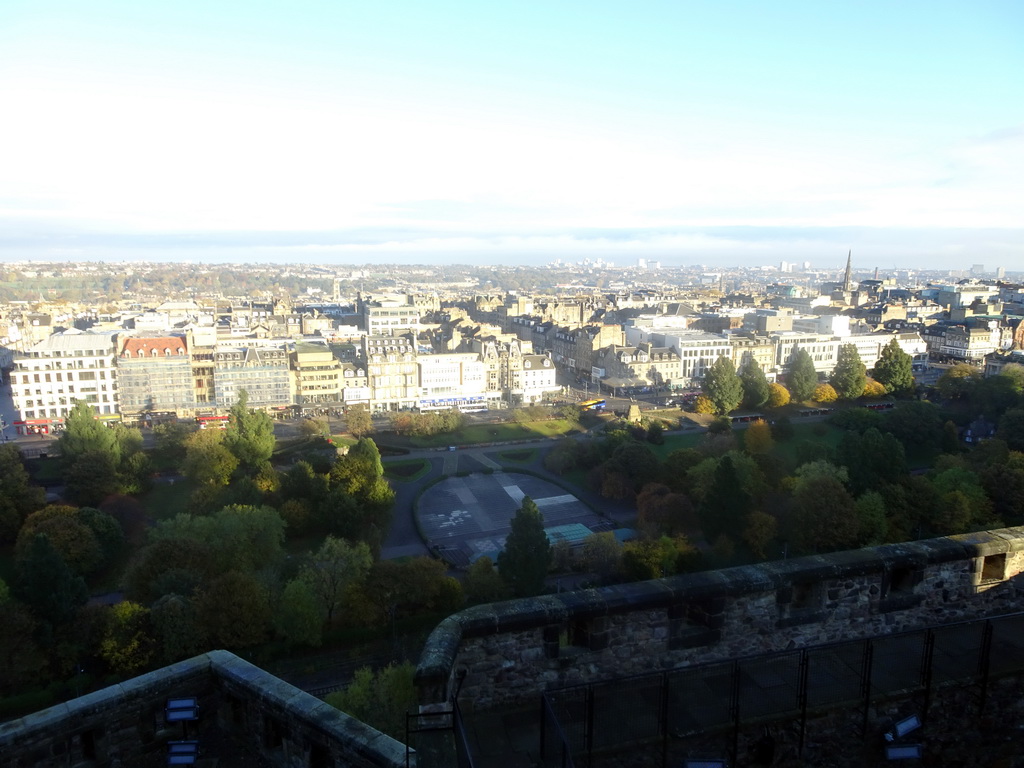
(524, 562)
(894, 369)
(249, 434)
(722, 386)
(850, 375)
(802, 377)
(756, 388)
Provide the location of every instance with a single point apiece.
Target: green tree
(759, 532)
(824, 517)
(526, 558)
(334, 569)
(1011, 429)
(233, 610)
(871, 459)
(207, 460)
(365, 450)
(483, 584)
(958, 382)
(894, 369)
(872, 524)
(22, 660)
(298, 618)
(176, 628)
(602, 555)
(380, 700)
(69, 535)
(950, 438)
(661, 511)
(312, 428)
(18, 497)
(359, 420)
(83, 434)
(249, 434)
(46, 584)
(756, 388)
(727, 502)
(802, 377)
(723, 386)
(92, 478)
(850, 375)
(128, 645)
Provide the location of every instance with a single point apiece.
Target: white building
(530, 381)
(457, 380)
(57, 372)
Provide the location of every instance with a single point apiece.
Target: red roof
(174, 345)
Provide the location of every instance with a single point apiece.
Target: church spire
(847, 283)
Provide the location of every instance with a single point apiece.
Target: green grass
(407, 471)
(674, 442)
(497, 433)
(522, 456)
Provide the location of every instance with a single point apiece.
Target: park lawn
(519, 456)
(676, 440)
(165, 500)
(406, 471)
(497, 433)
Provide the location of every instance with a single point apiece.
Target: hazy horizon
(432, 133)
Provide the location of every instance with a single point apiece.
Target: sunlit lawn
(497, 433)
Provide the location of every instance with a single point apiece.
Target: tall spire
(847, 286)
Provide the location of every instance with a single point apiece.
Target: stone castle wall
(508, 653)
(253, 711)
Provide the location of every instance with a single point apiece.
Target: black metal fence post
(663, 720)
(865, 684)
(802, 697)
(927, 665)
(734, 704)
(590, 725)
(984, 663)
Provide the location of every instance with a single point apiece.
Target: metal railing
(579, 721)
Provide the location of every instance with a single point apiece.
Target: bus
(592, 405)
(212, 422)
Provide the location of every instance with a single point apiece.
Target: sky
(726, 133)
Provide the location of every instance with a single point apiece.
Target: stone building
(317, 374)
(154, 375)
(264, 374)
(57, 372)
(392, 371)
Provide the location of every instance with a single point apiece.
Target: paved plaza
(463, 518)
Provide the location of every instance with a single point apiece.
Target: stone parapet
(124, 724)
(512, 651)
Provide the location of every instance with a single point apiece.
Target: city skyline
(348, 134)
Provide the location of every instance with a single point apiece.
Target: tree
(602, 555)
(873, 390)
(645, 559)
(128, 645)
(46, 584)
(950, 438)
(958, 382)
(727, 502)
(21, 658)
(18, 498)
(802, 377)
(660, 511)
(380, 700)
(92, 478)
(312, 428)
(757, 439)
(333, 569)
(871, 459)
(850, 374)
(83, 433)
(778, 395)
(723, 386)
(525, 561)
(249, 434)
(872, 525)
(756, 388)
(73, 540)
(758, 533)
(298, 618)
(207, 460)
(703, 404)
(233, 610)
(176, 629)
(365, 450)
(894, 369)
(825, 393)
(1011, 429)
(360, 422)
(824, 516)
(483, 584)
